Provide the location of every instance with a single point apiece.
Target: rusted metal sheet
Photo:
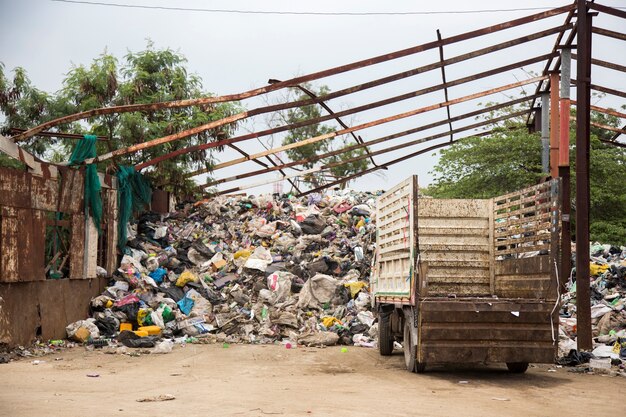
(72, 192)
(42, 309)
(9, 264)
(77, 247)
(14, 188)
(110, 216)
(160, 201)
(479, 330)
(21, 244)
(44, 193)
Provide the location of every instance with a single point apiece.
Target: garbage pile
(608, 314)
(262, 269)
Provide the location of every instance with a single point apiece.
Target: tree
(147, 76)
(510, 159)
(313, 150)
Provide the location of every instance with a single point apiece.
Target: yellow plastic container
(126, 326)
(151, 330)
(141, 333)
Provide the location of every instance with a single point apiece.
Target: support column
(554, 124)
(583, 147)
(545, 133)
(564, 168)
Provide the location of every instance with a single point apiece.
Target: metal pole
(564, 168)
(545, 133)
(554, 124)
(583, 146)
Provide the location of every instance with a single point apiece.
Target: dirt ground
(244, 380)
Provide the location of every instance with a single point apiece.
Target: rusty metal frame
(325, 106)
(298, 80)
(386, 138)
(381, 121)
(443, 77)
(283, 128)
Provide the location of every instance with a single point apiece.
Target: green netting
(86, 148)
(133, 193)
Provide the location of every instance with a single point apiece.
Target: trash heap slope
(242, 269)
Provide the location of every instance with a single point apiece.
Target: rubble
(264, 269)
(608, 314)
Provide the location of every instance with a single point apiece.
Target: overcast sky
(236, 52)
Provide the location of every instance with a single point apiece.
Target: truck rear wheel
(517, 367)
(410, 347)
(385, 339)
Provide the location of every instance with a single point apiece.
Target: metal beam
(610, 33)
(298, 80)
(387, 137)
(379, 152)
(567, 24)
(605, 64)
(382, 121)
(607, 10)
(60, 135)
(443, 77)
(325, 106)
(278, 129)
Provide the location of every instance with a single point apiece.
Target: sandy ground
(246, 380)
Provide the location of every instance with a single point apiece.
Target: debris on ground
(244, 269)
(608, 316)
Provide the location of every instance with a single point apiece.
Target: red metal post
(554, 124)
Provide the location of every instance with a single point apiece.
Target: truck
(468, 280)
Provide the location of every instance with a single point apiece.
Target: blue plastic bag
(157, 275)
(185, 305)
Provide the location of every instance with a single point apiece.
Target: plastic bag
(186, 277)
(163, 347)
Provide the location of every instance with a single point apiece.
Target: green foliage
(510, 159)
(309, 151)
(140, 77)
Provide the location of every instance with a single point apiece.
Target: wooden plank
(519, 230)
(524, 220)
(522, 249)
(465, 209)
(522, 201)
(77, 247)
(531, 189)
(492, 256)
(537, 209)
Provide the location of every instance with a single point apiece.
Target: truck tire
(385, 339)
(517, 367)
(410, 348)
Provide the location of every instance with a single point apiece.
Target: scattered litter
(156, 398)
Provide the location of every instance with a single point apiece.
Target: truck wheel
(517, 367)
(410, 348)
(385, 340)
